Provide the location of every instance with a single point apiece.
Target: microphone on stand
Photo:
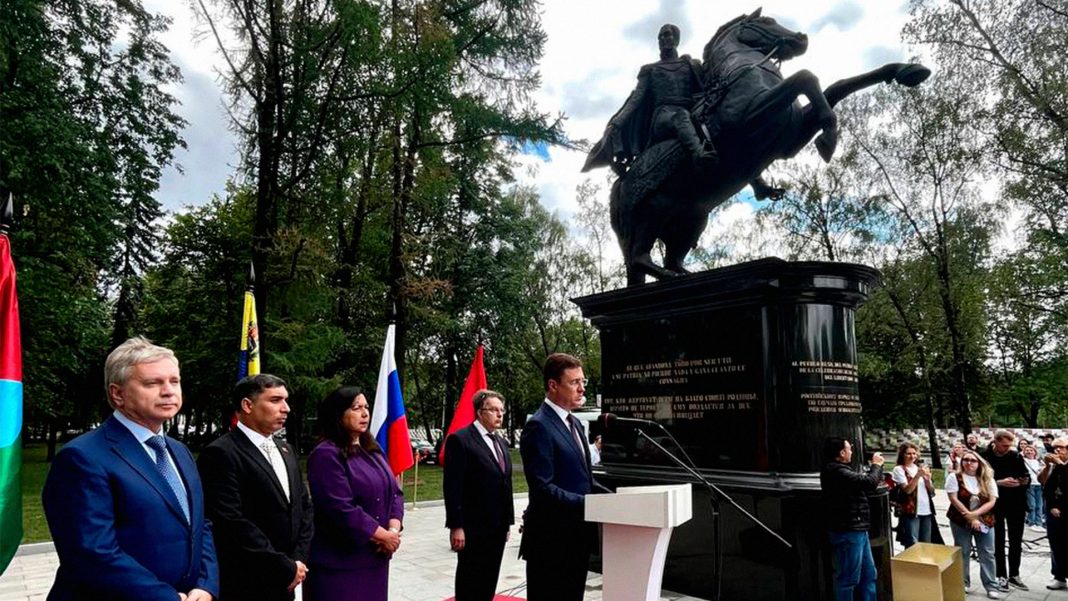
(689, 465)
(612, 417)
(715, 491)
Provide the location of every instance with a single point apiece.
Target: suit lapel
(564, 430)
(483, 450)
(253, 454)
(185, 468)
(133, 453)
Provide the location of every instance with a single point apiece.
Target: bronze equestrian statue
(744, 116)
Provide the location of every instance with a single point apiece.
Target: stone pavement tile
(423, 569)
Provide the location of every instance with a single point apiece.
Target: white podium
(637, 529)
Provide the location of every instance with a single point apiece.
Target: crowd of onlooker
(996, 488)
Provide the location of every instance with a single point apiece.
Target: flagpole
(7, 215)
(415, 484)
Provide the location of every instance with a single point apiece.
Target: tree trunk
(451, 389)
(295, 422)
(53, 436)
(267, 145)
(960, 383)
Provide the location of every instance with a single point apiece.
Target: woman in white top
(972, 494)
(916, 519)
(1036, 509)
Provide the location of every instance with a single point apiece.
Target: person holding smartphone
(915, 522)
(972, 496)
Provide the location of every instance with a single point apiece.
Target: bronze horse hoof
(912, 75)
(826, 144)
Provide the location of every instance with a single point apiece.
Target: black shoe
(1015, 581)
(1002, 584)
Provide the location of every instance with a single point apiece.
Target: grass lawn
(34, 470)
(430, 481)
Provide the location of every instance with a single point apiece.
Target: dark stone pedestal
(750, 367)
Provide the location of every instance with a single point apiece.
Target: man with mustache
(256, 498)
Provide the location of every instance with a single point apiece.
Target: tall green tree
(88, 125)
(828, 212)
(1013, 52)
(925, 160)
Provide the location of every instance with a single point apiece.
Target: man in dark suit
(124, 502)
(478, 499)
(256, 498)
(557, 541)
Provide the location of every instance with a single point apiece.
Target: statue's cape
(628, 138)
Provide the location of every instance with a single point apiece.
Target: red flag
(10, 409)
(465, 408)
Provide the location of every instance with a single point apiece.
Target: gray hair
(133, 352)
(1003, 434)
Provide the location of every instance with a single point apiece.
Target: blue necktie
(159, 445)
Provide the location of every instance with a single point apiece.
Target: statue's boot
(703, 155)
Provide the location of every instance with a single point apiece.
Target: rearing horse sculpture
(752, 116)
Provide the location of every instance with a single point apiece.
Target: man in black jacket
(478, 499)
(1012, 477)
(1054, 479)
(255, 496)
(845, 495)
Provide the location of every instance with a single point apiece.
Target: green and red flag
(10, 410)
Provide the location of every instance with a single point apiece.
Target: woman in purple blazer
(358, 505)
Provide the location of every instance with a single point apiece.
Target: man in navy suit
(478, 499)
(124, 502)
(557, 541)
(256, 498)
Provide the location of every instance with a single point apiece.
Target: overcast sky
(592, 56)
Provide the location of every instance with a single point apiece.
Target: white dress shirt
(274, 458)
(142, 434)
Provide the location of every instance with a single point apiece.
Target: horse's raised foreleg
(778, 98)
(906, 74)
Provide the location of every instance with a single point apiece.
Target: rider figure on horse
(657, 110)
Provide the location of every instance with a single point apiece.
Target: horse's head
(763, 34)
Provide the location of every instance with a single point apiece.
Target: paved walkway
(423, 568)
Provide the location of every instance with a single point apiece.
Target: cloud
(210, 156)
(877, 56)
(843, 16)
(644, 30)
(590, 97)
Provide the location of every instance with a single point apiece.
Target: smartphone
(919, 461)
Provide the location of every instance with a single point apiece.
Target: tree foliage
(87, 127)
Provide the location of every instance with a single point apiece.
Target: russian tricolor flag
(389, 425)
